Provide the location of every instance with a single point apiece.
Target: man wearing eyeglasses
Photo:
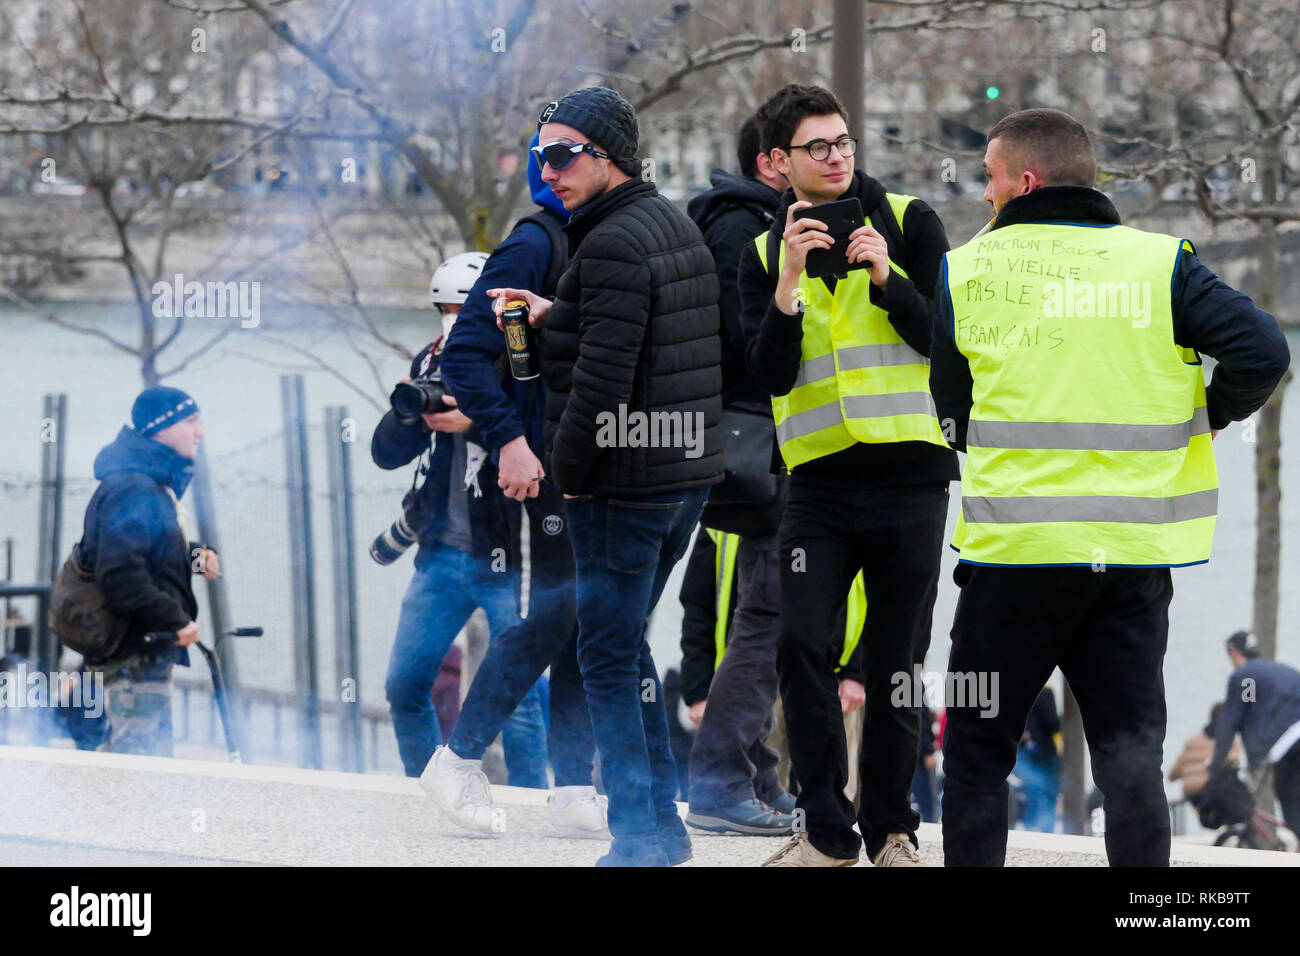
(846, 359)
(629, 344)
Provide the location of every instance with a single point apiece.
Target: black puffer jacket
(634, 324)
(134, 542)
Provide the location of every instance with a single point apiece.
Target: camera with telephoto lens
(421, 396)
(402, 533)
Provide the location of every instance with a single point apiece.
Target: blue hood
(541, 192)
(131, 452)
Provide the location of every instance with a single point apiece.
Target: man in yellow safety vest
(845, 358)
(1066, 364)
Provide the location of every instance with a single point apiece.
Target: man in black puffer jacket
(136, 541)
(630, 353)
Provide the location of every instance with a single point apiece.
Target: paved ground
(61, 807)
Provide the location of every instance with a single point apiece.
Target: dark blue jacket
(472, 362)
(473, 359)
(1272, 704)
(476, 371)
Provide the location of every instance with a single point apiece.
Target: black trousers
(1107, 631)
(829, 531)
(729, 760)
(1286, 784)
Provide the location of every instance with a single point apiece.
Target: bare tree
(136, 162)
(1231, 84)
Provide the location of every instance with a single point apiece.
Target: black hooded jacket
(134, 542)
(730, 215)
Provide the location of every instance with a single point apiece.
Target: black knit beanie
(601, 114)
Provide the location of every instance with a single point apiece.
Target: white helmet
(452, 280)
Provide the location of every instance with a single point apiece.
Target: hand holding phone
(868, 247)
(803, 233)
(839, 221)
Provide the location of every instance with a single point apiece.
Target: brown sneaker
(799, 851)
(897, 851)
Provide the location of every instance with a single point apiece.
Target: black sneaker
(750, 817)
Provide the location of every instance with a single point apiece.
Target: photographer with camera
(457, 519)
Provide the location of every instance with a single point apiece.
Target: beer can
(520, 346)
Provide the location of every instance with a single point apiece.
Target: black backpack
(1225, 799)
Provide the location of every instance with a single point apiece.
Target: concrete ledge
(68, 807)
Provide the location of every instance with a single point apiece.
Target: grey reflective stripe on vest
(805, 423)
(1118, 508)
(815, 369)
(882, 406)
(877, 356)
(857, 406)
(1087, 435)
(858, 357)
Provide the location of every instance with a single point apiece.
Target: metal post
(5, 630)
(302, 561)
(847, 74)
(218, 605)
(51, 517)
(53, 434)
(339, 434)
(9, 577)
(1074, 805)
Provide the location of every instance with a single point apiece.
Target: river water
(237, 386)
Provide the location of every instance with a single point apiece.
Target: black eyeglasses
(819, 149)
(559, 155)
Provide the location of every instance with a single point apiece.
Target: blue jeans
(1040, 778)
(624, 549)
(548, 637)
(441, 597)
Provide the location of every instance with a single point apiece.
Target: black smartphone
(841, 218)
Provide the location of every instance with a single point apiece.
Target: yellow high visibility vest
(1089, 440)
(726, 545)
(858, 380)
(724, 567)
(855, 619)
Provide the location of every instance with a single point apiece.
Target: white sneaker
(463, 793)
(585, 814)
